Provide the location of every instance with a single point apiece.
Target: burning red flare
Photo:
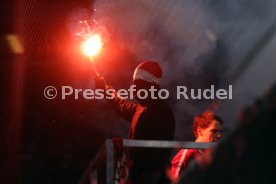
(92, 46)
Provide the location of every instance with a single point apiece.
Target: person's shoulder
(193, 152)
(160, 105)
(177, 156)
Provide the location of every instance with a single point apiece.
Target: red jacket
(182, 159)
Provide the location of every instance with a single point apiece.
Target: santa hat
(149, 71)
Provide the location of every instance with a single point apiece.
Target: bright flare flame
(92, 46)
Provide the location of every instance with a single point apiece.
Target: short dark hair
(204, 120)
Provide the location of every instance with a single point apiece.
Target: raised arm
(123, 107)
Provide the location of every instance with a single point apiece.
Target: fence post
(109, 162)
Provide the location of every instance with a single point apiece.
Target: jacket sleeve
(123, 107)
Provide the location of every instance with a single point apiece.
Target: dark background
(49, 141)
(52, 141)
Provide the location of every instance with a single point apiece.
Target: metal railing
(109, 149)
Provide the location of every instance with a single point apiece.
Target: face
(211, 133)
(140, 84)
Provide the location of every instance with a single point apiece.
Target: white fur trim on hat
(146, 76)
